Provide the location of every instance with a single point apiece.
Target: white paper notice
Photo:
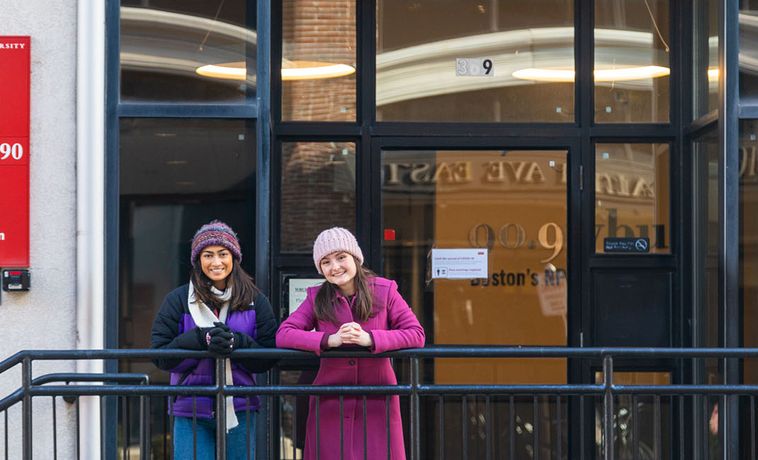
(459, 264)
(297, 290)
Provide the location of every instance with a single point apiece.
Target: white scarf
(204, 317)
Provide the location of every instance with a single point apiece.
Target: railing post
(607, 407)
(415, 433)
(220, 408)
(26, 379)
(144, 434)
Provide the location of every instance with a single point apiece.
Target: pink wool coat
(393, 326)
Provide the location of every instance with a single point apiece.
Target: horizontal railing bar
(90, 377)
(431, 390)
(173, 390)
(180, 390)
(429, 352)
(528, 352)
(686, 389)
(590, 389)
(123, 390)
(460, 390)
(17, 395)
(426, 390)
(320, 390)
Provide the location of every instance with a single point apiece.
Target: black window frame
(581, 134)
(251, 109)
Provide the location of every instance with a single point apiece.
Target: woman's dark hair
(364, 303)
(244, 289)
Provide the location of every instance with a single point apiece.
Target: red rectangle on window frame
(15, 75)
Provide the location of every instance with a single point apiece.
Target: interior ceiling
(177, 43)
(185, 156)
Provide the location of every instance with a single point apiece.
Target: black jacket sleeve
(165, 332)
(265, 326)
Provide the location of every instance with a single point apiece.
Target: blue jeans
(184, 446)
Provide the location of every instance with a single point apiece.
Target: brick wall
(318, 191)
(318, 179)
(321, 31)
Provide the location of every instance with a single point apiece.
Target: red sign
(15, 69)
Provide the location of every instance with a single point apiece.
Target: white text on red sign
(10, 151)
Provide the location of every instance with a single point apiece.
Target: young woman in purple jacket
(219, 310)
(352, 308)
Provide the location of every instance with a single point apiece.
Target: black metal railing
(471, 420)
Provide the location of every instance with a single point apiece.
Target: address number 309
(11, 151)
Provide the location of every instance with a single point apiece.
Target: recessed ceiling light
(291, 70)
(601, 75)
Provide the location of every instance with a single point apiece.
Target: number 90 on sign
(474, 67)
(10, 151)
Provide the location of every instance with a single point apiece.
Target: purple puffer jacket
(174, 328)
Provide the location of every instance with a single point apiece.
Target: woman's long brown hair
(244, 289)
(364, 303)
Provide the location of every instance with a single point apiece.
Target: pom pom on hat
(215, 233)
(335, 239)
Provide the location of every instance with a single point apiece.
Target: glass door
(515, 204)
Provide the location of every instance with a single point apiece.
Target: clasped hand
(219, 339)
(350, 333)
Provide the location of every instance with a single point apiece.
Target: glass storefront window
(512, 202)
(632, 201)
(632, 61)
(179, 51)
(175, 175)
(318, 60)
(749, 50)
(515, 204)
(529, 46)
(705, 46)
(748, 202)
(749, 240)
(706, 236)
(317, 191)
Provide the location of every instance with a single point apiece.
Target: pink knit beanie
(335, 239)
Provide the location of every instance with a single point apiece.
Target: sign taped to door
(298, 290)
(459, 264)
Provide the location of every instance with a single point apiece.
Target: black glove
(204, 335)
(221, 340)
(194, 339)
(222, 326)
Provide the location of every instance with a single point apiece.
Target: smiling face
(216, 263)
(339, 268)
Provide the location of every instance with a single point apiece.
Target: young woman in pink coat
(352, 308)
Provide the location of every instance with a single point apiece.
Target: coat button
(351, 362)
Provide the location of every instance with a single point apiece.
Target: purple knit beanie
(335, 239)
(215, 233)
